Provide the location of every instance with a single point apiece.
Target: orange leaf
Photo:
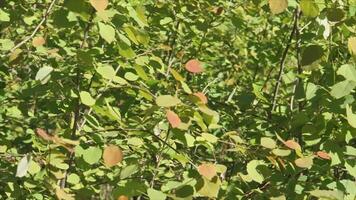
(201, 96)
(99, 5)
(112, 155)
(194, 66)
(173, 118)
(122, 197)
(43, 134)
(323, 155)
(38, 41)
(292, 145)
(207, 170)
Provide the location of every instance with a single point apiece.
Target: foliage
(185, 99)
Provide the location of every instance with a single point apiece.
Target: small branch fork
(284, 56)
(45, 16)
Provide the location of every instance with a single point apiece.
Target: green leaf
(351, 117)
(207, 188)
(107, 32)
(335, 14)
(209, 137)
(86, 98)
(253, 172)
(351, 169)
(106, 71)
(5, 17)
(155, 194)
(342, 88)
(128, 171)
(125, 50)
(138, 15)
(167, 101)
(44, 74)
(311, 54)
(73, 178)
(328, 194)
(348, 71)
(6, 44)
(92, 155)
(268, 143)
(281, 152)
(309, 7)
(130, 76)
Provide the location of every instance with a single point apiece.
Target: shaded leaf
(311, 54)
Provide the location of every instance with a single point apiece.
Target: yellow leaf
(278, 6)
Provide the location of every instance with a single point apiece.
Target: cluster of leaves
(184, 99)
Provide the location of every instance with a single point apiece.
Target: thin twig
(281, 67)
(45, 16)
(75, 127)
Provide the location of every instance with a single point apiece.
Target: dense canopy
(177, 99)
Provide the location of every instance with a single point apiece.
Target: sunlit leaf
(86, 98)
(167, 101)
(305, 162)
(309, 7)
(107, 32)
(277, 6)
(173, 118)
(22, 166)
(268, 143)
(44, 74)
(292, 145)
(99, 5)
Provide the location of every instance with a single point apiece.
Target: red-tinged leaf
(292, 145)
(202, 97)
(43, 134)
(112, 155)
(173, 118)
(38, 41)
(323, 155)
(194, 66)
(99, 5)
(207, 170)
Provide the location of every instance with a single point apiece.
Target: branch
(281, 67)
(37, 27)
(75, 127)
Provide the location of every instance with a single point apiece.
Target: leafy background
(184, 99)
